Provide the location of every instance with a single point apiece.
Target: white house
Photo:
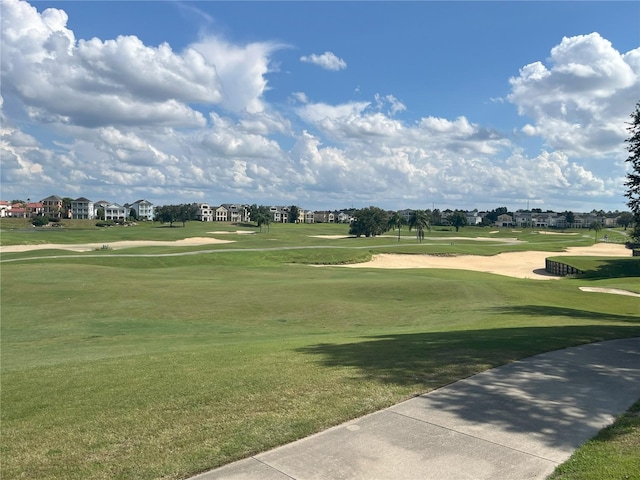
(205, 212)
(221, 214)
(473, 218)
(82, 209)
(112, 211)
(5, 207)
(237, 213)
(279, 214)
(309, 217)
(144, 209)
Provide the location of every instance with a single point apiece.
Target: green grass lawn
(613, 453)
(161, 367)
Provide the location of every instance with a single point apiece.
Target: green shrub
(39, 221)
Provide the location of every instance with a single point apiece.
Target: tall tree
(625, 219)
(596, 227)
(66, 207)
(419, 221)
(262, 218)
(370, 221)
(396, 220)
(187, 212)
(457, 219)
(294, 212)
(570, 218)
(633, 177)
(436, 217)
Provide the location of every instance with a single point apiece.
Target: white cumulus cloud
(581, 100)
(327, 60)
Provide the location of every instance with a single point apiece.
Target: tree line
(373, 221)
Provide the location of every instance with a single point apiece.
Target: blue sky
(321, 104)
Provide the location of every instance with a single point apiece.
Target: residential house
(558, 221)
(540, 220)
(344, 217)
(504, 220)
(52, 206)
(82, 209)
(221, 214)
(144, 209)
(237, 213)
(279, 214)
(34, 209)
(5, 208)
(112, 211)
(473, 218)
(18, 210)
(205, 212)
(324, 216)
(309, 217)
(522, 219)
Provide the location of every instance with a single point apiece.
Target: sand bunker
(513, 264)
(88, 247)
(615, 291)
(237, 232)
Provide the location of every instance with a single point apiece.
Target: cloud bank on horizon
(119, 119)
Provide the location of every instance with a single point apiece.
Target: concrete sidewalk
(517, 421)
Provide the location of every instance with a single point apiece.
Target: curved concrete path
(517, 421)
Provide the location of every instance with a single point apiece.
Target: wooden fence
(561, 269)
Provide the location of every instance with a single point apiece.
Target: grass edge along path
(614, 453)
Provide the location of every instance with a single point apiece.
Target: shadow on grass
(430, 360)
(562, 398)
(550, 311)
(614, 268)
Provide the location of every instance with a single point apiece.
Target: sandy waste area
(88, 247)
(513, 264)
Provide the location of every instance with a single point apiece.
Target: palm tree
(263, 219)
(396, 220)
(596, 227)
(419, 220)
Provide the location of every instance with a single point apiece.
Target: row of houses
(524, 219)
(83, 208)
(80, 208)
(228, 212)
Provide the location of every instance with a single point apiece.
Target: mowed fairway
(162, 367)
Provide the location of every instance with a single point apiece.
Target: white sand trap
(87, 247)
(513, 264)
(238, 232)
(615, 291)
(557, 233)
